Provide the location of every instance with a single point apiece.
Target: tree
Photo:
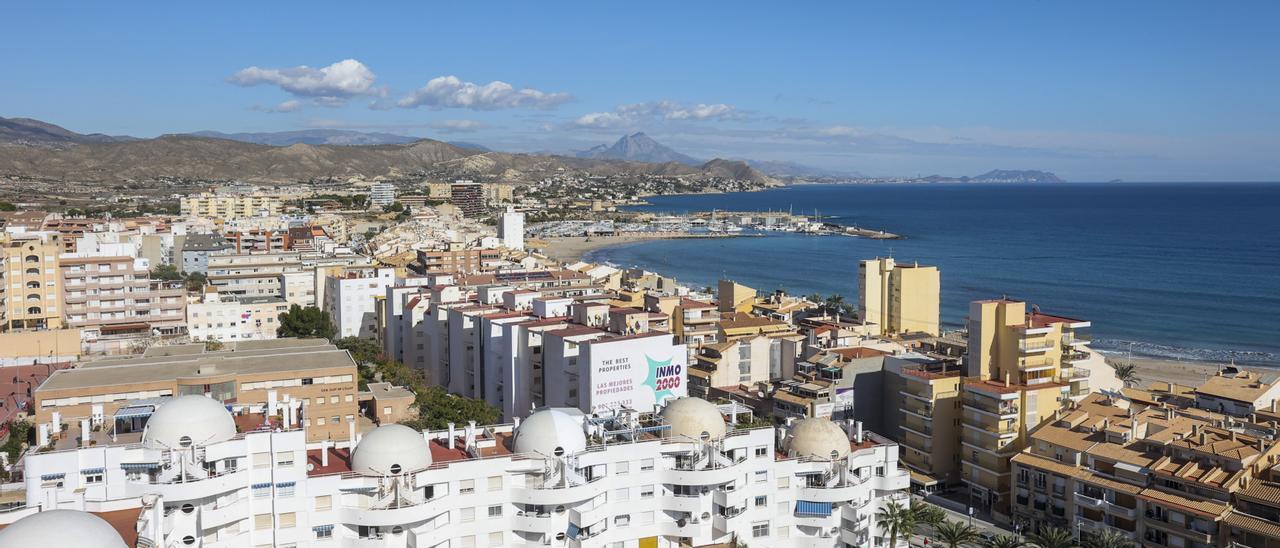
(363, 351)
(1128, 374)
(166, 272)
(196, 281)
(1054, 537)
(6, 206)
(956, 534)
(309, 322)
(437, 408)
(1004, 541)
(900, 521)
(1108, 538)
(926, 513)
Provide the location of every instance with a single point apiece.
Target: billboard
(636, 373)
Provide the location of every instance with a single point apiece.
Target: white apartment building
(200, 475)
(251, 274)
(351, 299)
(229, 206)
(382, 194)
(231, 318)
(511, 229)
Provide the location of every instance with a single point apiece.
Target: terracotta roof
(1239, 520)
(1261, 491)
(1202, 507)
(1245, 387)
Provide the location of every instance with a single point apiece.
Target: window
(495, 483)
(386, 411)
(622, 494)
(467, 514)
(262, 521)
(284, 489)
(261, 490)
(646, 465)
(622, 520)
(319, 400)
(762, 476)
(646, 492)
(288, 520)
(495, 511)
(759, 530)
(284, 459)
(469, 541)
(762, 501)
(92, 478)
(762, 451)
(262, 460)
(323, 531)
(646, 518)
(622, 468)
(324, 502)
(333, 399)
(320, 421)
(495, 538)
(784, 482)
(466, 487)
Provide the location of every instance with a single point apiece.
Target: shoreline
(569, 249)
(1182, 372)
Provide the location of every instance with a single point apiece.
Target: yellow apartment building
(899, 298)
(1020, 369)
(734, 297)
(30, 281)
(930, 411)
(229, 206)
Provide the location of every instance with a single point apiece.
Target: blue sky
(1089, 90)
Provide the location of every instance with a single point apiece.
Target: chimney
(515, 422)
(471, 434)
(452, 433)
(84, 432)
(858, 429)
(288, 412)
(42, 435)
(1202, 437)
(324, 453)
(1006, 379)
(351, 436)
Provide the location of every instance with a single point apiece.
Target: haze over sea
(1176, 270)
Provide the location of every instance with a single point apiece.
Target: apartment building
(468, 197)
(1167, 476)
(352, 299)
(233, 318)
(229, 206)
(454, 258)
(200, 473)
(30, 280)
(382, 194)
(928, 416)
(1237, 392)
(319, 376)
(196, 249)
(745, 360)
(259, 240)
(899, 298)
(251, 274)
(114, 298)
(511, 229)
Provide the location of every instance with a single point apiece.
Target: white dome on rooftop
(550, 432)
(817, 438)
(61, 529)
(189, 420)
(691, 417)
(391, 450)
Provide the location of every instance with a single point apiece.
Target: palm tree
(955, 534)
(1004, 541)
(1108, 538)
(900, 521)
(927, 514)
(1054, 537)
(1127, 373)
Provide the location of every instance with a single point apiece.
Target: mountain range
(637, 147)
(29, 148)
(999, 176)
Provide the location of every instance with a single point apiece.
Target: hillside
(311, 137)
(203, 158)
(26, 131)
(638, 147)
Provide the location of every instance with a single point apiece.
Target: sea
(1185, 271)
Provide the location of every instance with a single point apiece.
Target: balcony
(1003, 408)
(1071, 357)
(1035, 346)
(1087, 501)
(918, 408)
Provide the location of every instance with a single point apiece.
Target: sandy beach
(1186, 373)
(570, 249)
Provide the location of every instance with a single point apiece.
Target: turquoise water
(1174, 270)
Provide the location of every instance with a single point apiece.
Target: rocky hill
(92, 159)
(638, 147)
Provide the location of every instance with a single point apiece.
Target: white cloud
(451, 92)
(328, 86)
(292, 105)
(633, 114)
(457, 126)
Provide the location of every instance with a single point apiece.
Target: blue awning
(93, 470)
(813, 509)
(135, 412)
(573, 531)
(139, 465)
(284, 484)
(47, 477)
(261, 486)
(322, 528)
(358, 489)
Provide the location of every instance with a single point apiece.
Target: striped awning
(139, 465)
(358, 489)
(54, 476)
(285, 484)
(261, 486)
(813, 509)
(135, 411)
(93, 470)
(322, 529)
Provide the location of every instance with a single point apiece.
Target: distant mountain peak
(637, 147)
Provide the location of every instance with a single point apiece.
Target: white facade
(539, 483)
(351, 301)
(382, 194)
(511, 229)
(234, 319)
